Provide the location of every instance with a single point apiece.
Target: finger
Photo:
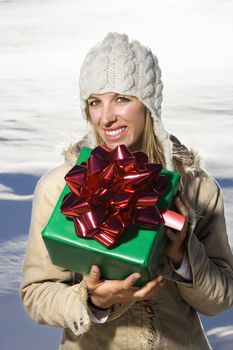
(130, 280)
(149, 288)
(159, 279)
(177, 236)
(147, 291)
(172, 236)
(183, 210)
(153, 286)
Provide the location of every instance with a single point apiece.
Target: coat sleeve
(47, 291)
(50, 294)
(210, 257)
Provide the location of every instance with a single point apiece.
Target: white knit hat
(126, 67)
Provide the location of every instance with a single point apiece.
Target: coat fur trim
(189, 160)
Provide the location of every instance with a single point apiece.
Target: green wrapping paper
(139, 249)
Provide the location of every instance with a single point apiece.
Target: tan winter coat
(169, 321)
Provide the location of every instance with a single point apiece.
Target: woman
(121, 94)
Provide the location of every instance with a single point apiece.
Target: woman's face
(118, 119)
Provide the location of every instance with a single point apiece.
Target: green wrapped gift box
(138, 250)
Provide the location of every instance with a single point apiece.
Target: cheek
(138, 120)
(94, 118)
(136, 114)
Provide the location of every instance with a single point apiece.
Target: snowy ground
(42, 44)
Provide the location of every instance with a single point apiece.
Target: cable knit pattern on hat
(126, 67)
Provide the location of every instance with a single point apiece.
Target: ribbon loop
(113, 189)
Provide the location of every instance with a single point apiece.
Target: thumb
(94, 276)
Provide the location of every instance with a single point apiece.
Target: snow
(42, 44)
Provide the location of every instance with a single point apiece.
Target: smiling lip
(115, 134)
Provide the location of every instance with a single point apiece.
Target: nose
(108, 115)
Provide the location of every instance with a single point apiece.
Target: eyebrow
(115, 94)
(92, 96)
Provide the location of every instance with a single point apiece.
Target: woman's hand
(105, 293)
(175, 248)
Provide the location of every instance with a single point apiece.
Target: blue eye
(93, 103)
(122, 99)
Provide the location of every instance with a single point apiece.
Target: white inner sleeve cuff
(184, 270)
(98, 316)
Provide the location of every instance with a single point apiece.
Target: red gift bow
(114, 189)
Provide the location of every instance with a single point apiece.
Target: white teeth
(115, 132)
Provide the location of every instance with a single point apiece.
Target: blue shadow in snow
(225, 182)
(22, 184)
(223, 319)
(15, 214)
(20, 332)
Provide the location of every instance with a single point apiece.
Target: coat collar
(189, 159)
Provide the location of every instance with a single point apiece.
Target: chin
(113, 145)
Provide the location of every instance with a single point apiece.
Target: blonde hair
(150, 144)
(153, 148)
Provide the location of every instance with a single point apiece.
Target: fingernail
(137, 276)
(94, 268)
(160, 278)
